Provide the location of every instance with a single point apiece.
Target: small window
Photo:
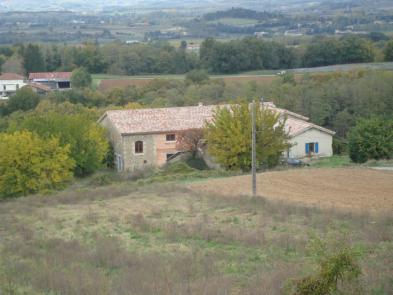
(169, 156)
(139, 147)
(4, 87)
(171, 137)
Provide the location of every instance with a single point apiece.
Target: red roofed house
(10, 83)
(54, 80)
(147, 137)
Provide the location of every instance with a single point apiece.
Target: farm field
(108, 82)
(345, 188)
(105, 82)
(169, 239)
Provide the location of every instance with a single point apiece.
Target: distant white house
(9, 84)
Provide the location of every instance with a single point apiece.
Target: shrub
(197, 76)
(24, 99)
(339, 267)
(30, 164)
(371, 139)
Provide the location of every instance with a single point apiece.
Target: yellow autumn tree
(229, 137)
(87, 140)
(29, 164)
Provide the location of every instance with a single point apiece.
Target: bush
(337, 268)
(371, 139)
(24, 99)
(30, 164)
(197, 76)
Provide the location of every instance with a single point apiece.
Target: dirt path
(349, 188)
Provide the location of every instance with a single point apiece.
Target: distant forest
(216, 57)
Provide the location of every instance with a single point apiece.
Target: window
(171, 137)
(139, 147)
(169, 156)
(312, 147)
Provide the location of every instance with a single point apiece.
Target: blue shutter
(307, 148)
(316, 148)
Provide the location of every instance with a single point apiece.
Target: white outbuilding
(9, 84)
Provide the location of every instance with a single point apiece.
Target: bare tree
(190, 140)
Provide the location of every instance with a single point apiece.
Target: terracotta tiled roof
(11, 76)
(50, 76)
(158, 120)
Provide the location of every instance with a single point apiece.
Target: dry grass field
(136, 238)
(347, 188)
(118, 82)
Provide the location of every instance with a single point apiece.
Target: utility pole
(253, 152)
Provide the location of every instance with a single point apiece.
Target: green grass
(344, 161)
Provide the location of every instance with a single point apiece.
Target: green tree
(87, 140)
(328, 51)
(33, 60)
(355, 49)
(24, 99)
(371, 139)
(2, 61)
(229, 137)
(29, 164)
(388, 51)
(343, 122)
(80, 78)
(183, 44)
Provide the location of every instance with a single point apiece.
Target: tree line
(215, 56)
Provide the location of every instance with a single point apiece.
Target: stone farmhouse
(147, 137)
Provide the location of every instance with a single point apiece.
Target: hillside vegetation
(166, 239)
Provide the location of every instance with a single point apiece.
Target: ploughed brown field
(109, 84)
(344, 188)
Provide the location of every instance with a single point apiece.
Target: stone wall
(134, 161)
